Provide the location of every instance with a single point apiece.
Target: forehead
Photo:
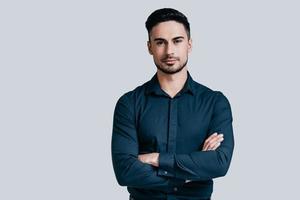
(168, 30)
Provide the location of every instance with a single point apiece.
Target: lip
(170, 61)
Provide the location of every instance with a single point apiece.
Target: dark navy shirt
(148, 120)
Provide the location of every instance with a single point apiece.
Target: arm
(204, 165)
(211, 143)
(128, 169)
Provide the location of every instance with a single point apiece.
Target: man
(171, 136)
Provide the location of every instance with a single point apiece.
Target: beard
(171, 69)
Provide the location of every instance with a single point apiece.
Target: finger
(216, 146)
(216, 140)
(207, 141)
(142, 158)
(213, 142)
(210, 137)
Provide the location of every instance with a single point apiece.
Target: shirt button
(165, 172)
(175, 189)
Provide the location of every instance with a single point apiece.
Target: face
(169, 45)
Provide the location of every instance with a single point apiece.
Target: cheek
(156, 58)
(157, 55)
(184, 52)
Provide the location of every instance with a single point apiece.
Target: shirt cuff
(166, 165)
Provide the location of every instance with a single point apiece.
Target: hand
(213, 142)
(149, 158)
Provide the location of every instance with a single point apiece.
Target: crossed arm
(159, 171)
(210, 144)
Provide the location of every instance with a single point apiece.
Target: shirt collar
(153, 86)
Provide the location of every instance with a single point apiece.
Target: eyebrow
(175, 38)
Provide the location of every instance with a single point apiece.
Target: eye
(177, 41)
(159, 43)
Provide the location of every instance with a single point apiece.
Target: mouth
(170, 61)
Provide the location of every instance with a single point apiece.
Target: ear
(190, 45)
(149, 47)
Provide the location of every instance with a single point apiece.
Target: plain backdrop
(64, 64)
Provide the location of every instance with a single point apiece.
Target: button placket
(172, 125)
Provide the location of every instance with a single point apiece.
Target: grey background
(64, 64)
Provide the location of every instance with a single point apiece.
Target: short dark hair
(167, 14)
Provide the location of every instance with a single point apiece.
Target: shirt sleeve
(129, 171)
(204, 165)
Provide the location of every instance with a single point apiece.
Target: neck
(172, 83)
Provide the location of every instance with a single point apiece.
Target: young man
(171, 136)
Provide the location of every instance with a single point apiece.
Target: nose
(170, 49)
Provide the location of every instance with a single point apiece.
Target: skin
(169, 45)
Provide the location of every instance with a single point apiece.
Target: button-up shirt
(148, 120)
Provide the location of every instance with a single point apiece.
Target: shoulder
(206, 93)
(216, 100)
(131, 96)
